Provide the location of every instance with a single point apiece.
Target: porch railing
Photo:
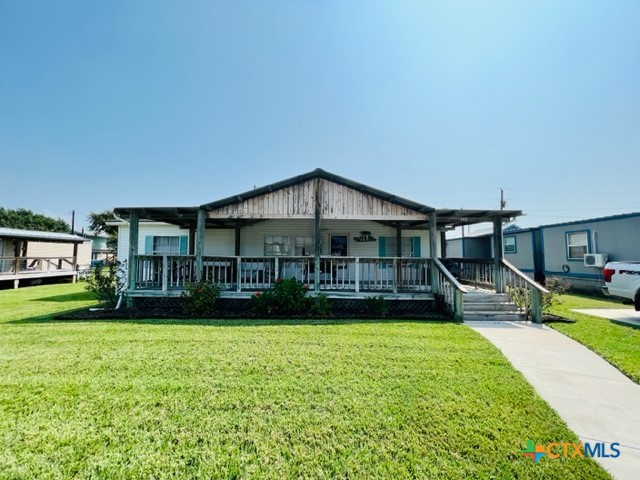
(479, 272)
(450, 293)
(13, 265)
(366, 274)
(524, 292)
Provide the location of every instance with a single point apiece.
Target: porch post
(318, 241)
(433, 251)
(199, 241)
(74, 265)
(497, 253)
(399, 255)
(132, 266)
(238, 238)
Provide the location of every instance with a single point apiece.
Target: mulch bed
(550, 318)
(127, 314)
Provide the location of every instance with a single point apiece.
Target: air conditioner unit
(595, 259)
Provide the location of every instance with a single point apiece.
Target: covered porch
(17, 267)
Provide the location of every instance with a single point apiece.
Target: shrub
(107, 282)
(321, 305)
(556, 287)
(521, 296)
(200, 298)
(376, 306)
(287, 297)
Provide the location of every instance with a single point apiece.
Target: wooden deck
(34, 268)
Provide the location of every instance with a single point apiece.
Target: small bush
(321, 305)
(107, 282)
(287, 297)
(521, 296)
(200, 298)
(556, 287)
(377, 306)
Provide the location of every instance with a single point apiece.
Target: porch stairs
(479, 304)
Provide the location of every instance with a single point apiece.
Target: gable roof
(319, 173)
(245, 208)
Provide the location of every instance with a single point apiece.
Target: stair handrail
(532, 304)
(449, 291)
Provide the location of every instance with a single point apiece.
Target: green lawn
(261, 399)
(618, 344)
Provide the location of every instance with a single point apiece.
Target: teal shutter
(382, 249)
(416, 247)
(382, 246)
(183, 245)
(148, 245)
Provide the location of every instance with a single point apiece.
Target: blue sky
(107, 103)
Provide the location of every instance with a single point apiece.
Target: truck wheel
(637, 302)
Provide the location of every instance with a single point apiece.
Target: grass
(618, 344)
(265, 399)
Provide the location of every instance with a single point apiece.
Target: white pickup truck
(622, 279)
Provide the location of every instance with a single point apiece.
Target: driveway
(596, 401)
(619, 315)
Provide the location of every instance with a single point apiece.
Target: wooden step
(489, 307)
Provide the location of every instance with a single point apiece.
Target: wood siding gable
(298, 201)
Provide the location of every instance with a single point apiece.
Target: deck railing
(524, 292)
(450, 293)
(479, 272)
(22, 265)
(356, 274)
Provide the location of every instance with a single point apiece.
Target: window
(577, 245)
(410, 247)
(510, 245)
(165, 245)
(277, 246)
(338, 245)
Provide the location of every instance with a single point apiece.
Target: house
(573, 251)
(29, 257)
(341, 237)
(99, 248)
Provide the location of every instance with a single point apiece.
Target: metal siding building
(522, 258)
(618, 237)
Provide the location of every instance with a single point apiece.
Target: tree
(98, 224)
(27, 220)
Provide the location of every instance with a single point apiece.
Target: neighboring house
(559, 250)
(99, 248)
(29, 257)
(337, 235)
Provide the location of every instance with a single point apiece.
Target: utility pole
(73, 221)
(502, 201)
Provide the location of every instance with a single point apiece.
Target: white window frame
(572, 243)
(407, 247)
(170, 251)
(514, 244)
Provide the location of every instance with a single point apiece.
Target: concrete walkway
(598, 402)
(626, 316)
